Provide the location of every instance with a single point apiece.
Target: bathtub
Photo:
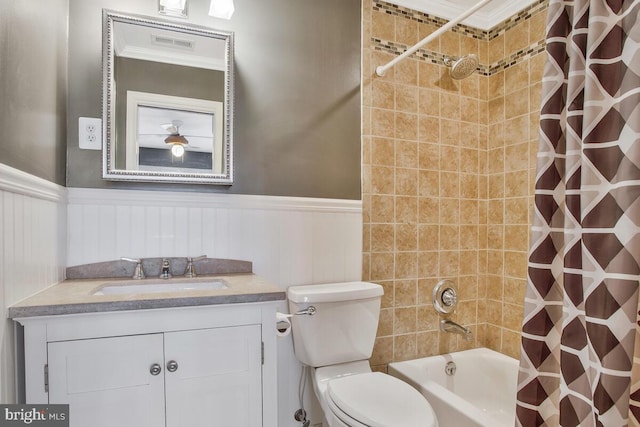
(481, 393)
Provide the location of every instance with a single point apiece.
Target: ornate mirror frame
(109, 170)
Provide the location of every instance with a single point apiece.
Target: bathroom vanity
(177, 358)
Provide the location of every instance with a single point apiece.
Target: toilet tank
(343, 328)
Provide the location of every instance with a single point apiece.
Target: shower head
(463, 67)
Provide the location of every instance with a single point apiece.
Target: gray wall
(297, 95)
(33, 86)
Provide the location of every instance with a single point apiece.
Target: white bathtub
(481, 393)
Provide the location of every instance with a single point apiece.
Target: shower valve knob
(449, 297)
(445, 296)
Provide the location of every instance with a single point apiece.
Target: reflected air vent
(187, 44)
(172, 42)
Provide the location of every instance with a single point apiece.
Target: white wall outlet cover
(90, 133)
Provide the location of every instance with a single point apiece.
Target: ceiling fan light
(176, 139)
(177, 150)
(221, 9)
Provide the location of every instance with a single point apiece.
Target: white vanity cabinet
(219, 383)
(175, 367)
(106, 381)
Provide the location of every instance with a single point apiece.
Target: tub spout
(447, 325)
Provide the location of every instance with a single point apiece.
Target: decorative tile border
(517, 57)
(424, 18)
(523, 15)
(439, 58)
(421, 54)
(476, 33)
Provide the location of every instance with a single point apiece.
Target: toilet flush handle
(309, 311)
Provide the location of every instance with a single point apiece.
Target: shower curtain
(580, 363)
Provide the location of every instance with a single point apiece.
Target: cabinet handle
(172, 366)
(155, 369)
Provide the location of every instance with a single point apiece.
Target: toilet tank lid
(331, 292)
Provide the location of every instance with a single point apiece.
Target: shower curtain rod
(382, 69)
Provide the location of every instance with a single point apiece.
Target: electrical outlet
(89, 133)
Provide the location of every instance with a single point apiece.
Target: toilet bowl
(370, 399)
(336, 339)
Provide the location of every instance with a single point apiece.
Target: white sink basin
(159, 287)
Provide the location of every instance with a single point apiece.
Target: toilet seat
(344, 419)
(378, 400)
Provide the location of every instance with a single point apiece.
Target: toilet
(334, 329)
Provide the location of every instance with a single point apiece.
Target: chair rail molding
(19, 182)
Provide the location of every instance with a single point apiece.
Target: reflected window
(193, 133)
(173, 134)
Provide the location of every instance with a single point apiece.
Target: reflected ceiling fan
(176, 140)
(167, 132)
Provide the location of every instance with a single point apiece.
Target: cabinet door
(218, 381)
(107, 381)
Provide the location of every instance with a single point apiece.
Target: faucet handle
(190, 270)
(138, 273)
(165, 271)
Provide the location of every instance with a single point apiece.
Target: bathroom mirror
(167, 101)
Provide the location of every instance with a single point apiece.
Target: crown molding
(483, 19)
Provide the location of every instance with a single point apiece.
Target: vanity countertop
(77, 296)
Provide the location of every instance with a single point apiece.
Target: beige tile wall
(514, 113)
(447, 183)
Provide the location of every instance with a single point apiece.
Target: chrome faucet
(165, 273)
(447, 325)
(138, 273)
(190, 271)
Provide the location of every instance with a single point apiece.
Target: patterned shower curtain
(580, 363)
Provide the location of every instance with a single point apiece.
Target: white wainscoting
(32, 251)
(289, 240)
